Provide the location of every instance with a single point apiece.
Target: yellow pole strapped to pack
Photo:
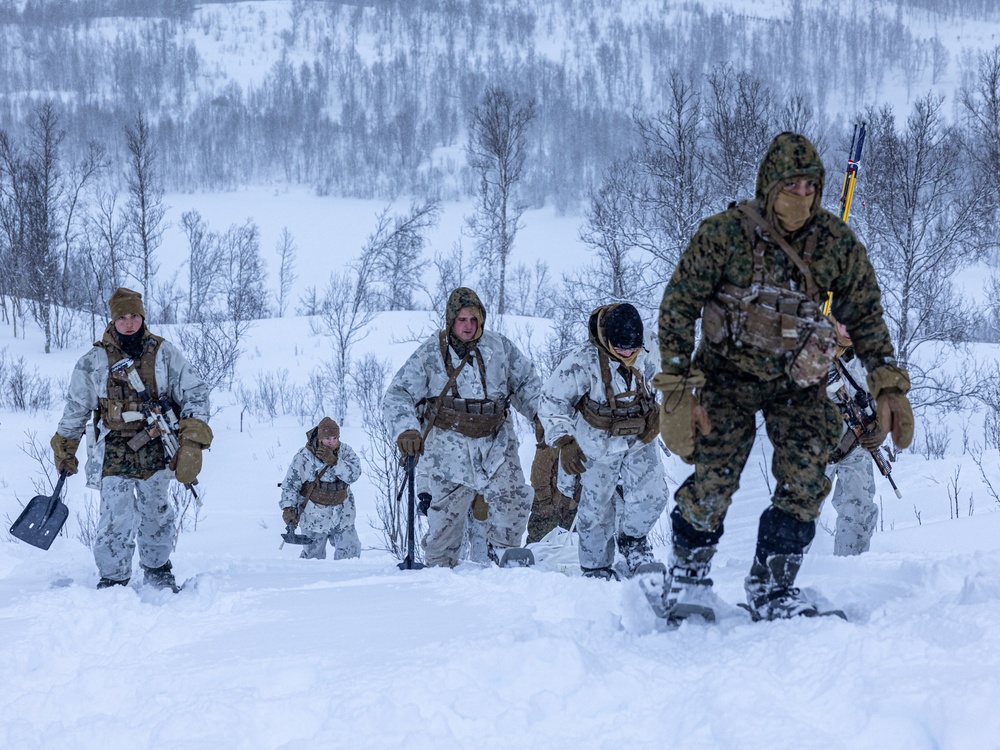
(850, 181)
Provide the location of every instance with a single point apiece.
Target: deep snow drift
(264, 650)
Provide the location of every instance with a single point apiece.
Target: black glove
(425, 503)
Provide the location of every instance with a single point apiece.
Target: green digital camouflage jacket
(722, 251)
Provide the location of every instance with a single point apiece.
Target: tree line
(365, 100)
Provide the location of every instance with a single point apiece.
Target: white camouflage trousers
(333, 524)
(508, 497)
(133, 511)
(603, 513)
(853, 499)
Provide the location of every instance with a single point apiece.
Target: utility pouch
(778, 322)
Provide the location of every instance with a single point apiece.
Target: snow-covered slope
(264, 650)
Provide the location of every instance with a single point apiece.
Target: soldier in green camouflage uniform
(133, 472)
(712, 394)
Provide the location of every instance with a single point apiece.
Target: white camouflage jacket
(305, 466)
(577, 375)
(448, 454)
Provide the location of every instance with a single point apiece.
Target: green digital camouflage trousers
(802, 424)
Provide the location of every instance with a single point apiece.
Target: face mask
(629, 360)
(792, 210)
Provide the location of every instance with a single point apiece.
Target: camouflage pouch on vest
(773, 321)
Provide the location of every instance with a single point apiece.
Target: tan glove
(571, 456)
(290, 516)
(195, 436)
(480, 508)
(889, 386)
(681, 416)
(539, 431)
(873, 439)
(410, 443)
(64, 454)
(652, 426)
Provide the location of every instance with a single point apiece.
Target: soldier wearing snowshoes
(757, 275)
(450, 405)
(316, 493)
(126, 458)
(851, 462)
(598, 408)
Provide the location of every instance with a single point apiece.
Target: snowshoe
(784, 604)
(510, 557)
(675, 598)
(635, 551)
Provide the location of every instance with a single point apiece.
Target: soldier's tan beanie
(327, 428)
(125, 302)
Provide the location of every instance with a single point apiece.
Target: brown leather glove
(290, 516)
(410, 443)
(889, 386)
(64, 454)
(195, 436)
(681, 416)
(571, 456)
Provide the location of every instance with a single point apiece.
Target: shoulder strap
(780, 241)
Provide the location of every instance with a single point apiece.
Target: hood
(464, 297)
(790, 155)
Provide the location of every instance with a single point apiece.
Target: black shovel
(408, 562)
(290, 537)
(42, 518)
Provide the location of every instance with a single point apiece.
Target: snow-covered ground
(264, 650)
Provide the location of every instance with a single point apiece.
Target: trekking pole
(411, 520)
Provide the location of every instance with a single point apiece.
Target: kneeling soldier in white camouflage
(599, 410)
(449, 404)
(316, 493)
(133, 465)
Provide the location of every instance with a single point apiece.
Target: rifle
(850, 180)
(859, 414)
(161, 422)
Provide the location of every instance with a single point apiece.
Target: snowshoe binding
(676, 595)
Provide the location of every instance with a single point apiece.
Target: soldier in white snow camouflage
(129, 468)
(316, 493)
(851, 465)
(598, 408)
(449, 404)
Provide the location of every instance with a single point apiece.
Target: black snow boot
(604, 574)
(161, 577)
(635, 550)
(781, 543)
(106, 583)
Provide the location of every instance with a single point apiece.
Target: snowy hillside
(264, 650)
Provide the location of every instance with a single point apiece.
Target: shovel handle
(59, 484)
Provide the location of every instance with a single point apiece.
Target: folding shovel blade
(290, 537)
(42, 518)
(40, 521)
